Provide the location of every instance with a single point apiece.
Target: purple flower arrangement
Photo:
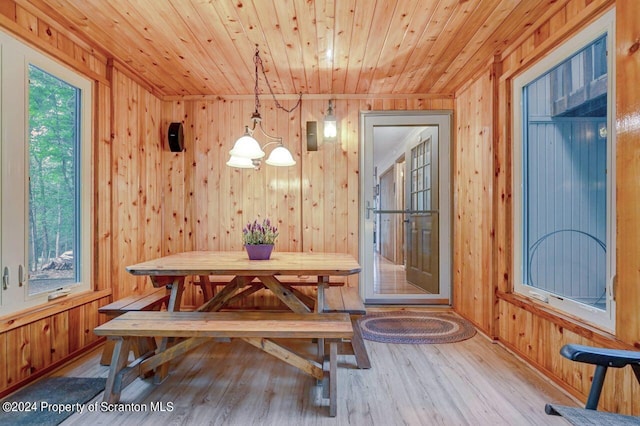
(259, 233)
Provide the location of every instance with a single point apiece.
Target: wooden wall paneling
(174, 190)
(76, 328)
(18, 353)
(137, 191)
(29, 24)
(237, 120)
(60, 336)
(276, 188)
(151, 140)
(4, 366)
(251, 181)
(331, 170)
(215, 150)
(40, 344)
(206, 176)
(457, 247)
(249, 198)
(473, 212)
(102, 166)
(289, 180)
(178, 188)
(202, 173)
(628, 170)
(48, 34)
(313, 194)
(26, 20)
(91, 321)
(222, 188)
(503, 206)
(122, 147)
(8, 9)
(341, 181)
(142, 182)
(188, 193)
(132, 244)
(350, 145)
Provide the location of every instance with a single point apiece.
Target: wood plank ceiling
(196, 47)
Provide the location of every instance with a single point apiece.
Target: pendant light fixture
(247, 152)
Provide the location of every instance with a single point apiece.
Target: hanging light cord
(258, 62)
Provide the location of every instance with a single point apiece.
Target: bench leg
(107, 353)
(359, 349)
(596, 387)
(333, 376)
(113, 387)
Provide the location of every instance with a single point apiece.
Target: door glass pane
(53, 183)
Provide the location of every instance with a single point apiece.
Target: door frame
(369, 120)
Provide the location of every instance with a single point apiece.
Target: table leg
(323, 282)
(175, 297)
(333, 378)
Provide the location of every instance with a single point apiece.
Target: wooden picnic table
(173, 269)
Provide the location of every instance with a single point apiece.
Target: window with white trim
(46, 181)
(564, 196)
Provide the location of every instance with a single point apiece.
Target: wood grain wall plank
(4, 366)
(628, 169)
(40, 339)
(59, 336)
(18, 353)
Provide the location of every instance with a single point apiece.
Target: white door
(423, 275)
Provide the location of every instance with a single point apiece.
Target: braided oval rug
(415, 327)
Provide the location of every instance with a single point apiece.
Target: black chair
(602, 358)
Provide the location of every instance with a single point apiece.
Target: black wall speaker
(176, 137)
(312, 135)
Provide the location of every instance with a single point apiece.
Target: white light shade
(240, 162)
(280, 156)
(247, 147)
(330, 127)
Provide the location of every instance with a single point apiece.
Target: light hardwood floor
(389, 278)
(474, 382)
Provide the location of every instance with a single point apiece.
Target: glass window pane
(565, 181)
(53, 171)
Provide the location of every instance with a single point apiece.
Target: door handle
(20, 275)
(5, 278)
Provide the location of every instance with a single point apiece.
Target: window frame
(602, 319)
(15, 131)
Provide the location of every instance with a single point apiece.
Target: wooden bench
(196, 328)
(150, 301)
(347, 300)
